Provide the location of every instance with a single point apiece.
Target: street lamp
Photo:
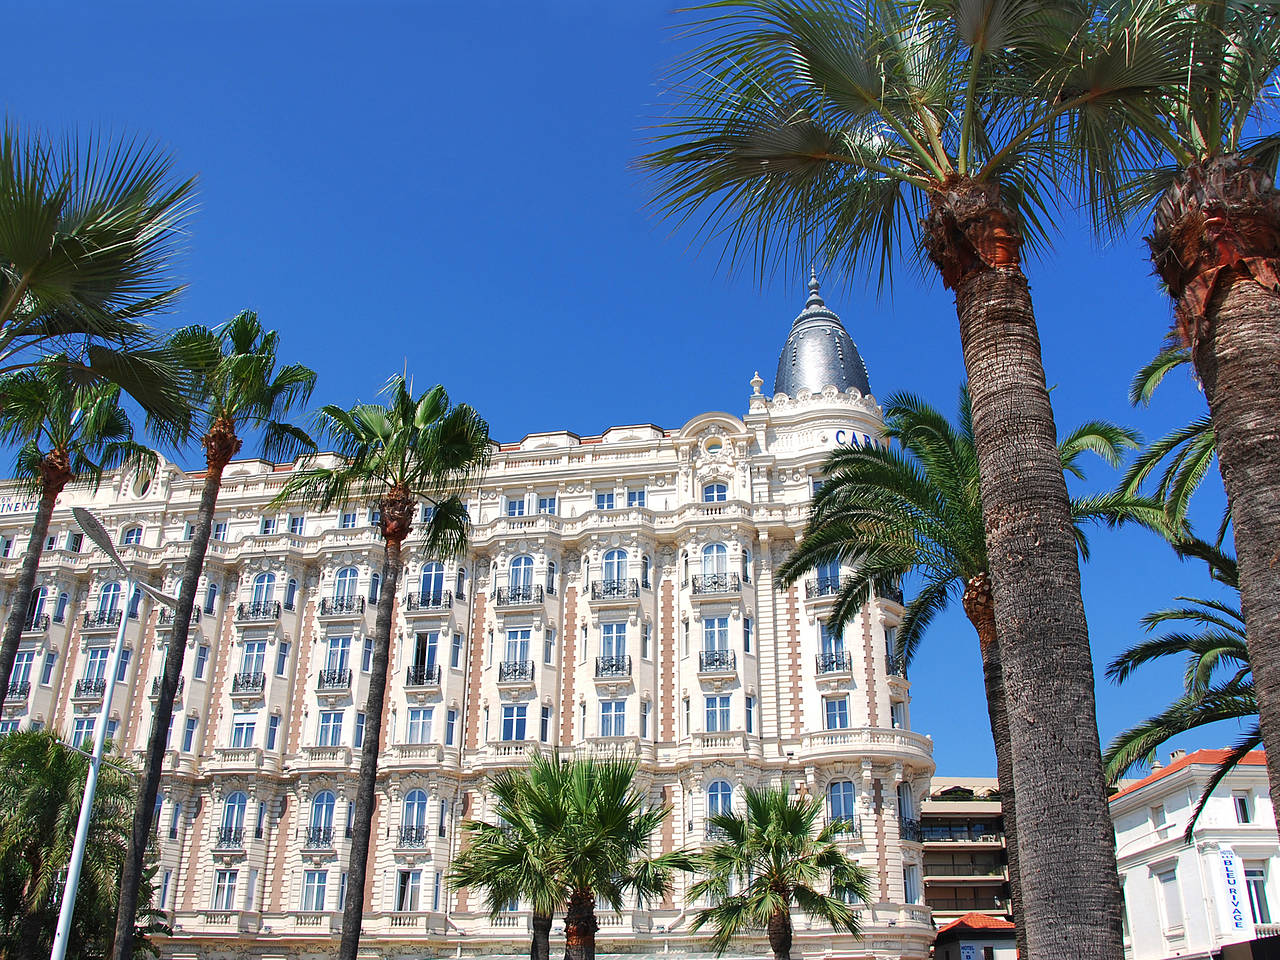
(94, 530)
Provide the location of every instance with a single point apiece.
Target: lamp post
(94, 530)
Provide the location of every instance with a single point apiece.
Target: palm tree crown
(774, 858)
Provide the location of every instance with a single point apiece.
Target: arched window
(431, 585)
(719, 797)
(715, 493)
(415, 809)
(290, 593)
(746, 566)
(210, 597)
(233, 816)
(522, 572)
(134, 601)
(60, 611)
(344, 584)
(715, 559)
(615, 565)
(551, 576)
(840, 800)
(322, 815)
(264, 585)
(460, 590)
(375, 585)
(644, 571)
(132, 535)
(109, 598)
(35, 606)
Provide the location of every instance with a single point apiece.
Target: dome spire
(819, 352)
(815, 298)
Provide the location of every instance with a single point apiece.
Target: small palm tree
(41, 787)
(774, 858)
(889, 512)
(849, 133)
(67, 431)
(395, 455)
(89, 231)
(239, 387)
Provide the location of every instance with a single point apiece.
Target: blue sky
(448, 187)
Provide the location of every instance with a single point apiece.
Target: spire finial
(815, 298)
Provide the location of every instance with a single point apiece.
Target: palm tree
(772, 859)
(41, 787)
(825, 131)
(89, 231)
(238, 389)
(888, 513)
(395, 455)
(514, 859)
(68, 431)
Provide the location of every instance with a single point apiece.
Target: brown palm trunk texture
(580, 926)
(780, 934)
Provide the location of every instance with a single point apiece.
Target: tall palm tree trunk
(540, 946)
(1066, 857)
(35, 917)
(780, 935)
(580, 926)
(55, 473)
(395, 528)
(979, 606)
(221, 444)
(1216, 243)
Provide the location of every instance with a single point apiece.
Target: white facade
(1188, 900)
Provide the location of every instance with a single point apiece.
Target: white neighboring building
(1188, 900)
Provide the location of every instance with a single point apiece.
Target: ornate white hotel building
(618, 595)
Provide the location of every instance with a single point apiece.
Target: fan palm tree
(89, 231)
(238, 389)
(774, 858)
(41, 787)
(826, 131)
(395, 455)
(890, 512)
(67, 431)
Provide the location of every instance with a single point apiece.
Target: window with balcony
(95, 667)
(253, 658)
(418, 729)
(210, 597)
(898, 714)
(20, 675)
(242, 725)
(337, 656)
(715, 493)
(911, 883)
(841, 800)
(344, 584)
(313, 889)
(514, 716)
(719, 798)
(108, 599)
(431, 585)
(515, 506)
(636, 498)
(82, 732)
(320, 830)
(233, 810)
(297, 525)
(517, 650)
(547, 505)
(264, 588)
(613, 718)
(718, 710)
(604, 501)
(836, 711)
(224, 890)
(408, 890)
(330, 728)
(133, 536)
(413, 819)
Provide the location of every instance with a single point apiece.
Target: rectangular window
(6, 546)
(604, 501)
(837, 713)
(513, 721)
(96, 667)
(408, 888)
(337, 650)
(547, 505)
(718, 713)
(443, 826)
(544, 733)
(613, 640)
(51, 542)
(644, 719)
(224, 890)
(313, 884)
(242, 730)
(342, 889)
(253, 657)
(688, 722)
(1240, 801)
(202, 657)
(366, 655)
(635, 498)
(1170, 898)
(455, 650)
(46, 674)
(268, 526)
(76, 540)
(1255, 879)
(297, 525)
(751, 714)
(114, 725)
(911, 882)
(435, 893)
(189, 733)
(260, 827)
(21, 672)
(357, 740)
(428, 513)
(450, 726)
(375, 517)
(220, 530)
(330, 728)
(282, 658)
(549, 645)
(747, 624)
(715, 634)
(1158, 821)
(515, 507)
(613, 718)
(273, 730)
(646, 639)
(898, 715)
(419, 729)
(11, 726)
(518, 645)
(348, 520)
(164, 888)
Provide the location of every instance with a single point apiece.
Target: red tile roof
(978, 921)
(1254, 758)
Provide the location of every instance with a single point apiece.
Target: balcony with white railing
(887, 743)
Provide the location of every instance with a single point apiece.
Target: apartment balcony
(319, 838)
(341, 607)
(891, 594)
(18, 691)
(239, 759)
(713, 662)
(248, 684)
(259, 611)
(613, 667)
(415, 756)
(330, 756)
(948, 835)
(605, 592)
(38, 624)
(714, 584)
(518, 672)
(913, 750)
(312, 922)
(820, 587)
(334, 681)
(229, 839)
(909, 830)
(839, 662)
(168, 615)
(155, 688)
(435, 601)
(414, 838)
(423, 676)
(89, 688)
(101, 619)
(520, 596)
(234, 922)
(850, 828)
(975, 873)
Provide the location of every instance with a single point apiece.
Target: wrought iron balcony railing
(909, 829)
(848, 824)
(167, 615)
(613, 666)
(334, 680)
(717, 583)
(614, 589)
(248, 682)
(891, 593)
(508, 596)
(413, 836)
(717, 661)
(823, 587)
(319, 838)
(334, 605)
(834, 662)
(37, 624)
(894, 666)
(431, 600)
(155, 686)
(515, 670)
(230, 838)
(423, 676)
(18, 690)
(102, 618)
(91, 687)
(259, 610)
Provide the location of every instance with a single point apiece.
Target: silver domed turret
(819, 352)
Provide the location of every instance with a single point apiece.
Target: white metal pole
(60, 938)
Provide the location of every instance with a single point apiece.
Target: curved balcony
(613, 667)
(838, 662)
(168, 615)
(823, 587)
(259, 611)
(101, 619)
(519, 596)
(38, 624)
(319, 838)
(515, 671)
(433, 600)
(18, 690)
(90, 688)
(155, 687)
(716, 583)
(342, 606)
(229, 838)
(334, 680)
(717, 661)
(915, 750)
(248, 684)
(414, 837)
(423, 676)
(615, 589)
